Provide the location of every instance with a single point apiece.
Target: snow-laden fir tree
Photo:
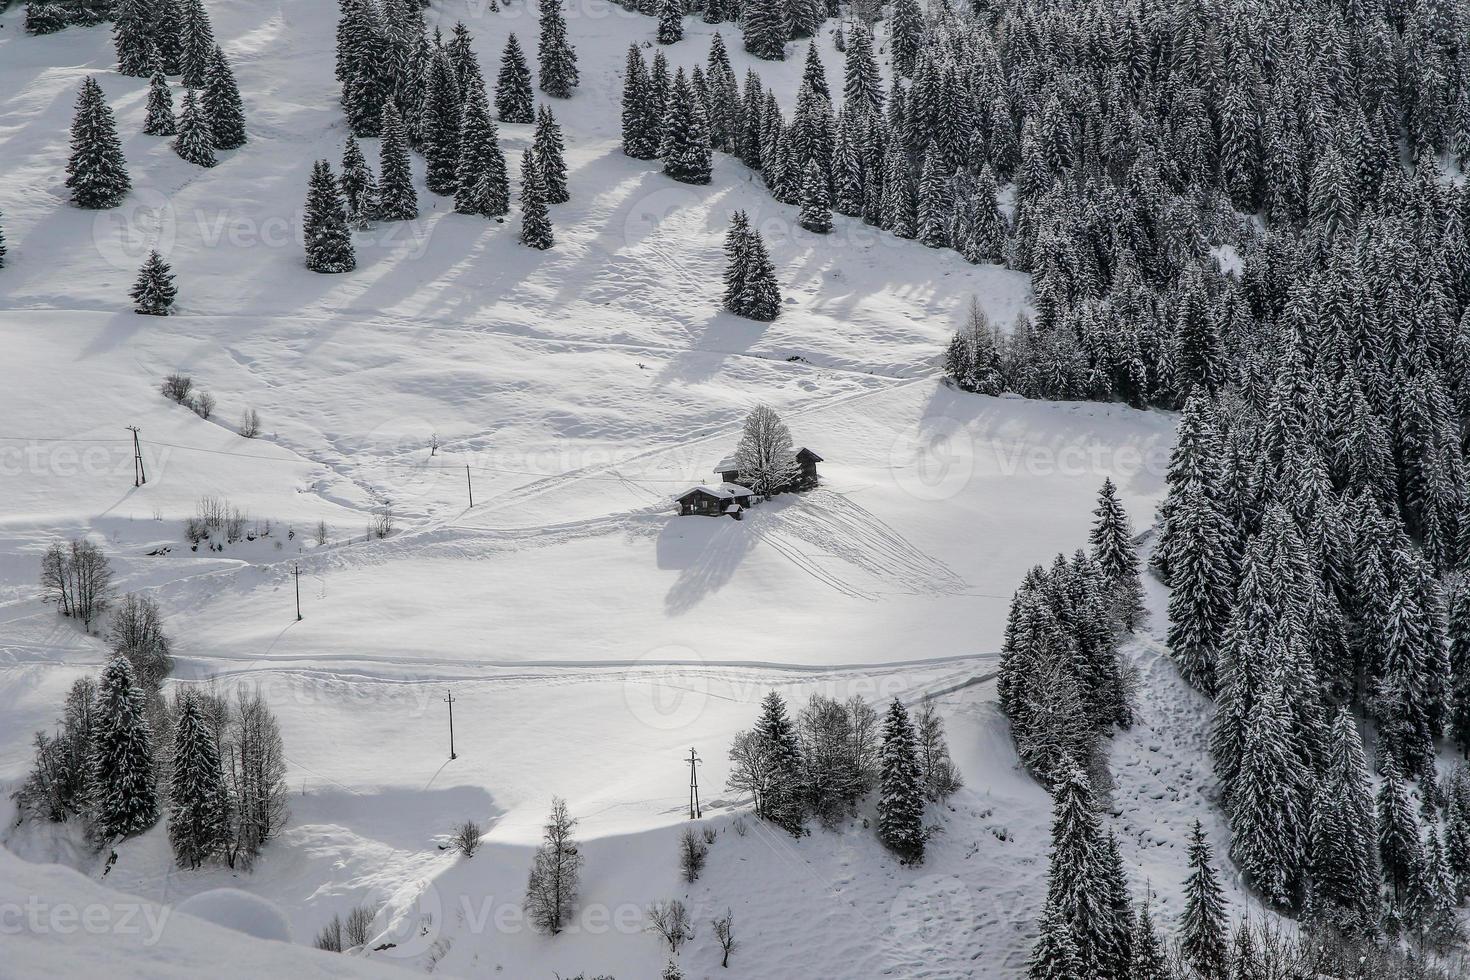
(483, 184)
(328, 239)
(364, 65)
(766, 28)
(780, 797)
(359, 187)
(160, 120)
(640, 127)
(551, 156)
(670, 21)
(764, 455)
(1267, 826)
(196, 43)
(750, 278)
(862, 83)
(124, 784)
(1343, 870)
(132, 36)
(440, 124)
(735, 259)
(536, 229)
(816, 212)
(154, 291)
(936, 204)
(905, 30)
(1054, 957)
(1398, 831)
(466, 63)
(901, 789)
(514, 101)
(45, 17)
(221, 101)
(195, 142)
(1148, 958)
(1203, 927)
(556, 57)
(198, 801)
(686, 149)
(1116, 556)
(397, 198)
(551, 891)
(96, 172)
(1077, 885)
(660, 83)
(813, 74)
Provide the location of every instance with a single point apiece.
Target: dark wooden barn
(806, 475)
(727, 498)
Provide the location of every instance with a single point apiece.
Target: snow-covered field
(589, 635)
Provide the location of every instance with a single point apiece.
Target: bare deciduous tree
(764, 456)
(78, 578)
(358, 928)
(724, 928)
(551, 891)
(467, 838)
(255, 768)
(692, 854)
(177, 387)
(137, 634)
(203, 405)
(670, 920)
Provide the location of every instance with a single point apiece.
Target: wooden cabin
(725, 499)
(805, 479)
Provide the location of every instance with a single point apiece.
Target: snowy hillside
(588, 634)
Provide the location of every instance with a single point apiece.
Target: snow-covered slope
(589, 635)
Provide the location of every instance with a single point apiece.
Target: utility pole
(468, 483)
(139, 476)
(449, 700)
(296, 573)
(695, 811)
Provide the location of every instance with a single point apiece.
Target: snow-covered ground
(590, 637)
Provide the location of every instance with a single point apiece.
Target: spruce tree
(1343, 875)
(1398, 831)
(359, 188)
(154, 292)
(195, 142)
(862, 85)
(168, 29)
(328, 239)
(670, 21)
(1116, 556)
(1266, 823)
(132, 36)
(221, 101)
(1149, 960)
(936, 204)
(397, 198)
(1054, 957)
(483, 184)
(685, 149)
(160, 120)
(124, 790)
(198, 799)
(551, 156)
(736, 259)
(1077, 876)
(442, 116)
(813, 74)
(535, 219)
(555, 54)
(781, 800)
(816, 212)
(905, 30)
(750, 279)
(196, 44)
(640, 128)
(44, 17)
(1202, 942)
(766, 29)
(514, 101)
(96, 172)
(901, 793)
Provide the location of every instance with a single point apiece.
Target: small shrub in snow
(177, 386)
(382, 524)
(203, 405)
(358, 928)
(670, 921)
(724, 928)
(250, 423)
(321, 532)
(710, 835)
(691, 855)
(740, 826)
(330, 937)
(467, 838)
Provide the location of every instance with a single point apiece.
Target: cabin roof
(725, 491)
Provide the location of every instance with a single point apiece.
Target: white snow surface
(590, 636)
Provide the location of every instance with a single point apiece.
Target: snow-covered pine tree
(905, 31)
(816, 212)
(551, 890)
(1343, 870)
(160, 120)
(154, 291)
(96, 171)
(132, 36)
(514, 100)
(397, 198)
(1267, 826)
(736, 260)
(780, 799)
(328, 239)
(551, 156)
(461, 49)
(442, 115)
(640, 128)
(124, 784)
(221, 102)
(900, 206)
(1077, 877)
(195, 142)
(196, 43)
(1203, 928)
(1116, 556)
(901, 792)
(198, 800)
(1149, 960)
(535, 219)
(1398, 831)
(670, 21)
(813, 74)
(44, 17)
(483, 183)
(760, 297)
(556, 56)
(685, 149)
(936, 204)
(359, 187)
(766, 28)
(660, 84)
(862, 85)
(1054, 957)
